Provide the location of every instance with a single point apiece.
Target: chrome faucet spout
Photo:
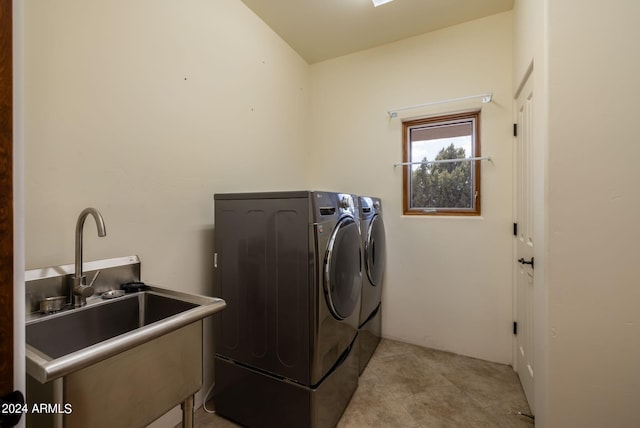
(80, 290)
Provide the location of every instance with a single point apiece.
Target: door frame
(6, 199)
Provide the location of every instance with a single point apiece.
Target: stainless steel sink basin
(127, 349)
(78, 329)
(67, 341)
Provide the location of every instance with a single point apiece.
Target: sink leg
(187, 412)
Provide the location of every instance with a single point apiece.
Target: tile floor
(408, 386)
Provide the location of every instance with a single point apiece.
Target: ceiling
(322, 29)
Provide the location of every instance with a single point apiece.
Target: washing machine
(373, 243)
(289, 265)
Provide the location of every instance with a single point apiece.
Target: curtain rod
(487, 158)
(486, 98)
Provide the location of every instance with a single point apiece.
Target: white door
(523, 260)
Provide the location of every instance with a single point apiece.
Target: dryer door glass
(342, 269)
(374, 250)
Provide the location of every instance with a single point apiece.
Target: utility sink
(61, 343)
(138, 355)
(72, 331)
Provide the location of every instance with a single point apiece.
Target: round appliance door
(342, 269)
(375, 250)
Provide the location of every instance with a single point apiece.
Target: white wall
(448, 280)
(593, 212)
(144, 110)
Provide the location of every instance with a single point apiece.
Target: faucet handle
(94, 278)
(87, 290)
(83, 290)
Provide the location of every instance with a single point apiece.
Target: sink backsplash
(55, 281)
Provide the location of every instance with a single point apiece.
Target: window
(438, 181)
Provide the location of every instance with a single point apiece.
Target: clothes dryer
(374, 245)
(288, 264)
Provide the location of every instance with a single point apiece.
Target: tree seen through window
(443, 185)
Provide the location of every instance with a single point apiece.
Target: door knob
(525, 262)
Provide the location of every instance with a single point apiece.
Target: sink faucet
(79, 289)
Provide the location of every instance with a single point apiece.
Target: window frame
(407, 126)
